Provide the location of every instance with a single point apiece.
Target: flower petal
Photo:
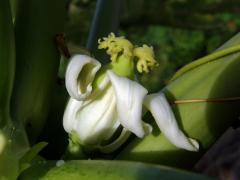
(116, 143)
(80, 74)
(129, 98)
(167, 123)
(94, 119)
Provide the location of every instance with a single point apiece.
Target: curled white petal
(167, 123)
(147, 128)
(129, 99)
(80, 73)
(94, 119)
(116, 143)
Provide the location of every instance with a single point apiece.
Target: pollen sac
(145, 58)
(116, 46)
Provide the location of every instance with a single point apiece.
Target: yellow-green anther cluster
(119, 46)
(146, 59)
(116, 46)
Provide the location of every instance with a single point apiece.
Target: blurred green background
(179, 30)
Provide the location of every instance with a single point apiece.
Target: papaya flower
(106, 104)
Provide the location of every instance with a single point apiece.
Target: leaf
(204, 121)
(109, 170)
(26, 160)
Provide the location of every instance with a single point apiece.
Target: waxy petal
(95, 119)
(125, 134)
(165, 119)
(80, 73)
(129, 99)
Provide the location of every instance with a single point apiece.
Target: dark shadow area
(175, 158)
(227, 85)
(53, 132)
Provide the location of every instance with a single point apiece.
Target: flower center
(122, 53)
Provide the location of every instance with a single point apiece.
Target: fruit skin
(204, 121)
(36, 25)
(107, 170)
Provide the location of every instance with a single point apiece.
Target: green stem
(36, 25)
(7, 61)
(13, 141)
(105, 20)
(13, 4)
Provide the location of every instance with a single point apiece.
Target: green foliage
(37, 61)
(107, 170)
(26, 160)
(179, 30)
(202, 79)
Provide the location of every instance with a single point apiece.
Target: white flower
(96, 114)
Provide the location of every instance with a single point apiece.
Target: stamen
(146, 58)
(116, 46)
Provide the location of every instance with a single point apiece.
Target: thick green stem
(36, 25)
(7, 61)
(13, 4)
(13, 142)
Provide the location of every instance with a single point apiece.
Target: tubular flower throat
(105, 104)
